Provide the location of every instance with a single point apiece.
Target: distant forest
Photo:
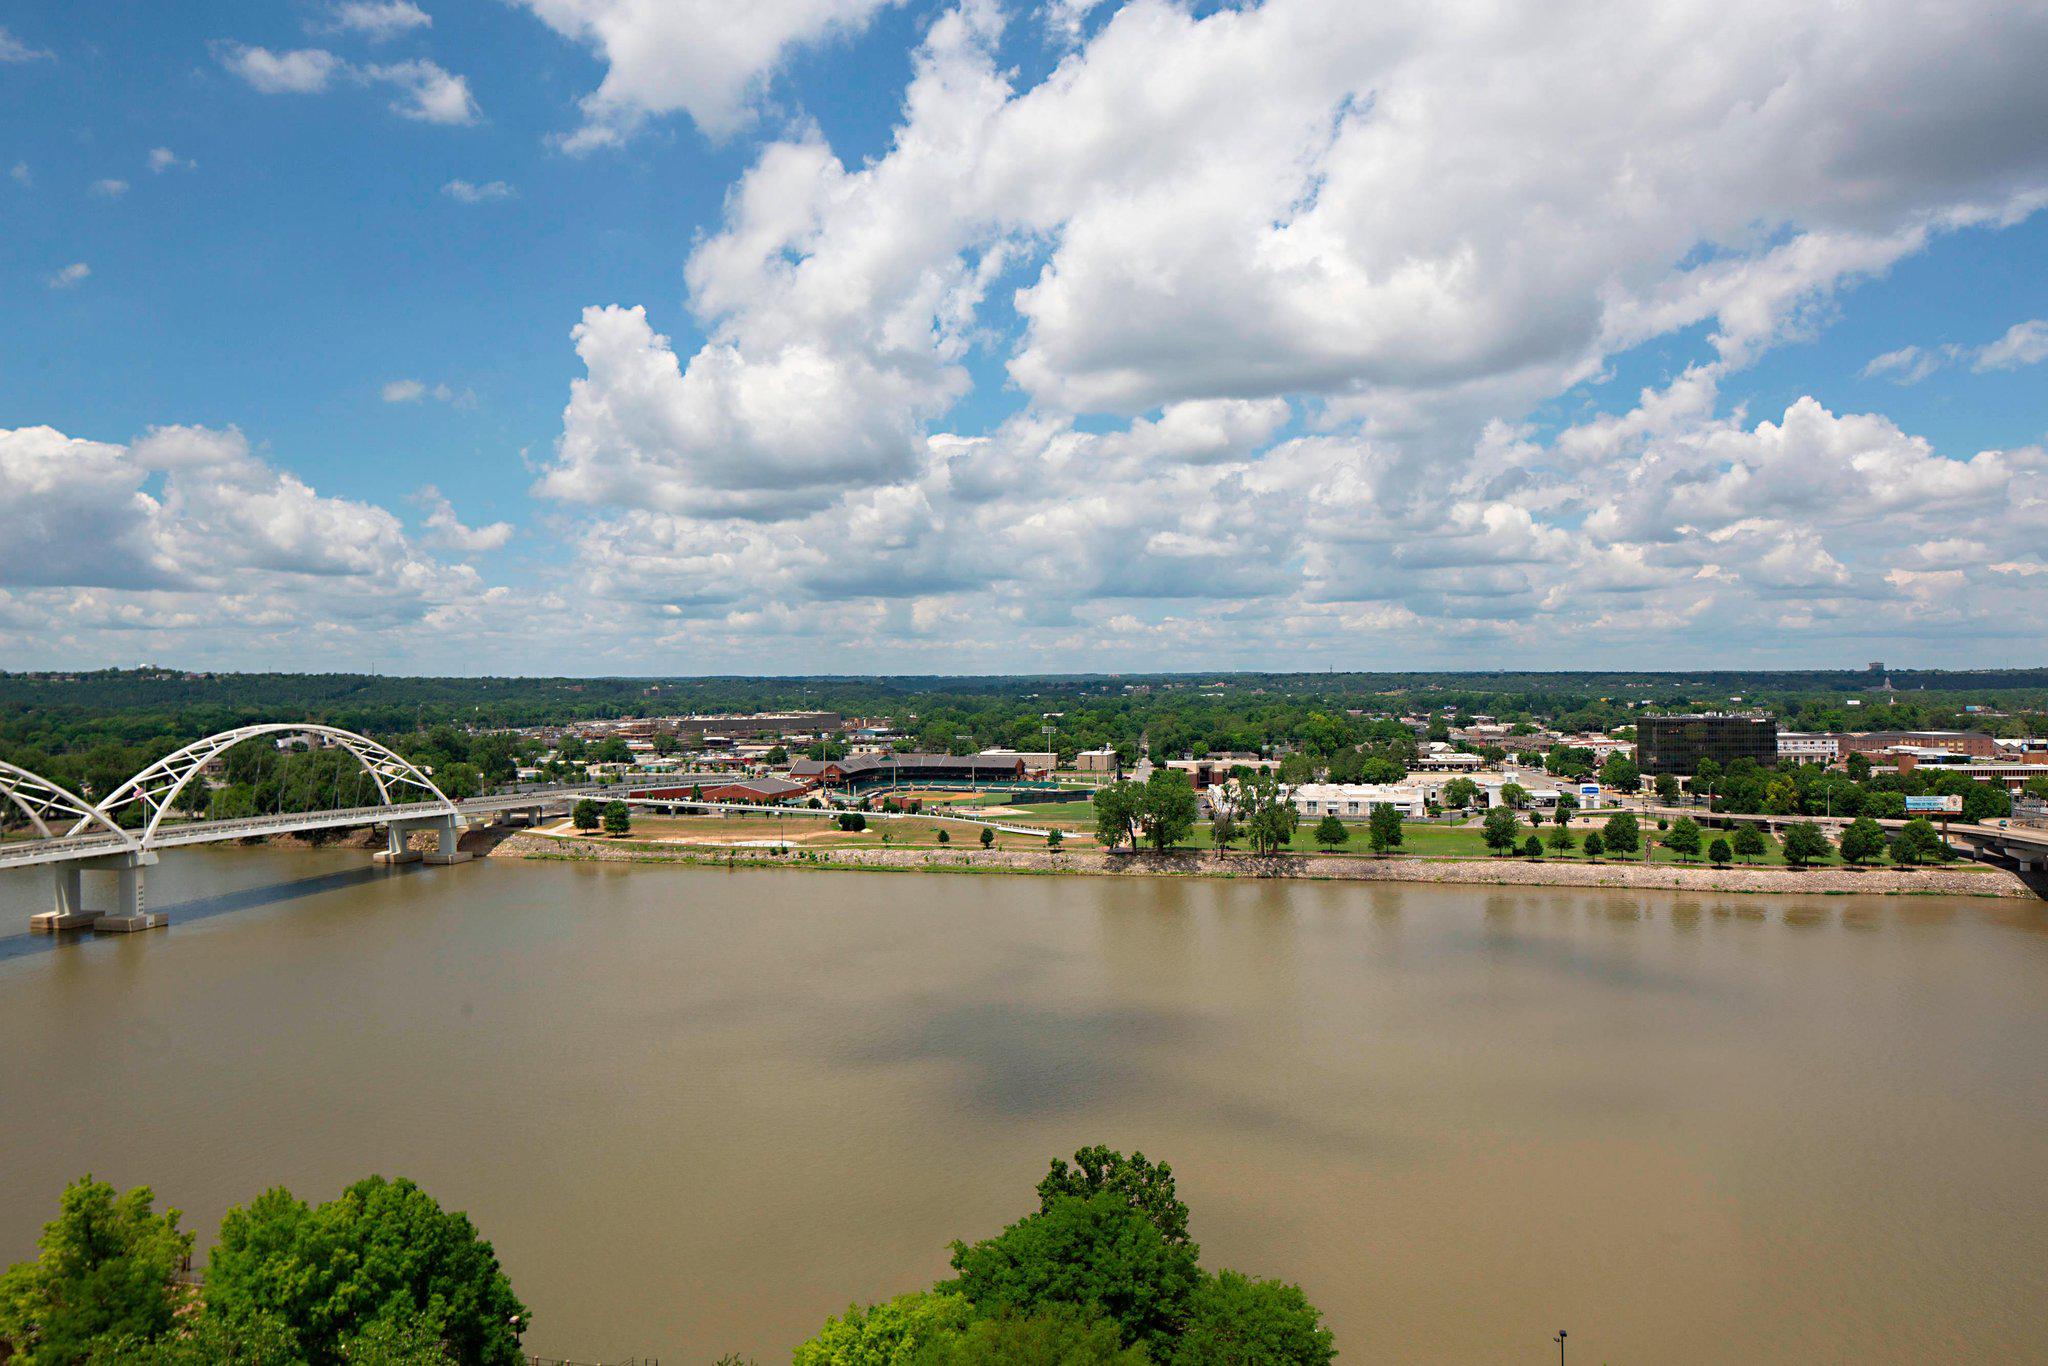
(89, 725)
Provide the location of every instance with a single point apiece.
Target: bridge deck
(66, 849)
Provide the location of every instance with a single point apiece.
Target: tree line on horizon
(92, 731)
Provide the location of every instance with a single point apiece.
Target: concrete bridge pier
(447, 842)
(397, 845)
(398, 841)
(128, 912)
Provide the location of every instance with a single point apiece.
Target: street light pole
(1559, 1340)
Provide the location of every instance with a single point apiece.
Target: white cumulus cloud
(708, 58)
(425, 91)
(1281, 284)
(187, 530)
(13, 49)
(470, 192)
(414, 391)
(2023, 344)
(305, 71)
(447, 530)
(377, 20)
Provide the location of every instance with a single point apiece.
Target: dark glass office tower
(1676, 744)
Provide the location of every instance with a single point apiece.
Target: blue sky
(1030, 336)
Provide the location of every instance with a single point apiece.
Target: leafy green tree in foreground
(1863, 839)
(208, 1340)
(1119, 807)
(1460, 793)
(1594, 846)
(1499, 830)
(1223, 828)
(988, 837)
(1331, 834)
(1719, 854)
(1147, 1187)
(105, 1271)
(1053, 1336)
(1102, 1274)
(586, 815)
(1683, 839)
(379, 1257)
(618, 820)
(1383, 828)
(1532, 847)
(1097, 1253)
(1918, 842)
(893, 1331)
(1270, 818)
(204, 1339)
(1804, 844)
(1561, 839)
(1749, 842)
(1621, 836)
(1169, 807)
(1234, 1319)
(1054, 839)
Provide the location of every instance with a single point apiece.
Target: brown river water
(698, 1110)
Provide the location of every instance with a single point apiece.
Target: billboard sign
(1950, 805)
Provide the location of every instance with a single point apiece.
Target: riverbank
(1970, 880)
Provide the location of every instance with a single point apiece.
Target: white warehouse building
(1355, 801)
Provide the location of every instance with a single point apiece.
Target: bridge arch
(39, 799)
(156, 788)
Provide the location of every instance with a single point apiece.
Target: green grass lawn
(1430, 840)
(1449, 841)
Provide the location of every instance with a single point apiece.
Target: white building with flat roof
(1543, 789)
(1035, 761)
(1355, 801)
(1808, 747)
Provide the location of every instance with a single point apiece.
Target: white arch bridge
(122, 833)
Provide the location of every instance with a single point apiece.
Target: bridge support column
(397, 845)
(69, 912)
(447, 840)
(128, 912)
(447, 832)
